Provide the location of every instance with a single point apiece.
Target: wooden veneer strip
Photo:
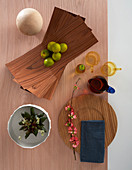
(28, 69)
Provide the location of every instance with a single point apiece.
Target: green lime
(56, 56)
(63, 47)
(48, 62)
(56, 48)
(45, 53)
(49, 46)
(82, 67)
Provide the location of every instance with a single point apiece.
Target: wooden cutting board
(89, 107)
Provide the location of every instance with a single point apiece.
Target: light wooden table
(53, 154)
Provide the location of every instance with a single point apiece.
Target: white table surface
(120, 52)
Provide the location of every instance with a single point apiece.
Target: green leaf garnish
(22, 128)
(20, 123)
(27, 134)
(32, 111)
(44, 129)
(27, 115)
(40, 115)
(42, 119)
(35, 132)
(23, 115)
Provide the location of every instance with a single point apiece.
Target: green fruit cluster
(53, 53)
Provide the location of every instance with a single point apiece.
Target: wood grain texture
(53, 154)
(29, 70)
(89, 107)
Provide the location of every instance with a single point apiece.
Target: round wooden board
(89, 107)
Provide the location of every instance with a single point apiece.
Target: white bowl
(14, 132)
